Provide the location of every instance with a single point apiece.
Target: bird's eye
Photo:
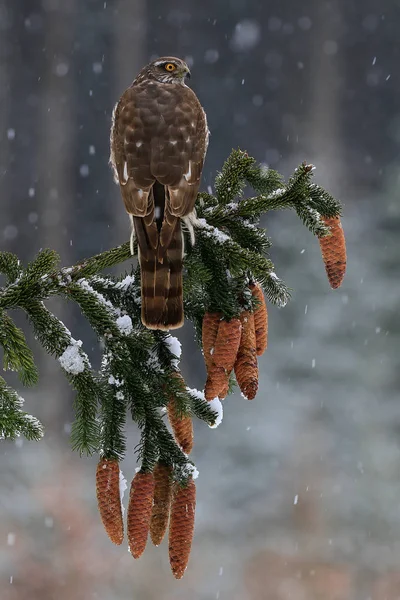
(170, 67)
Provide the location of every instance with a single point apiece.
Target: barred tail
(161, 279)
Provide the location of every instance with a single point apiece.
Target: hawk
(159, 138)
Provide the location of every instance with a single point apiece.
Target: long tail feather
(161, 272)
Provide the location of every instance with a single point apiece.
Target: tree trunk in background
(54, 159)
(324, 118)
(35, 152)
(5, 107)
(129, 56)
(55, 154)
(19, 107)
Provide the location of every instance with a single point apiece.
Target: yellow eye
(170, 67)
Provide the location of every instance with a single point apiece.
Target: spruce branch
(200, 408)
(14, 422)
(99, 262)
(10, 266)
(57, 341)
(139, 370)
(17, 354)
(230, 182)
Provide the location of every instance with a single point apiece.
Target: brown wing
(130, 152)
(179, 149)
(159, 133)
(177, 154)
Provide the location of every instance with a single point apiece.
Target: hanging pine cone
(217, 383)
(227, 344)
(224, 388)
(217, 380)
(139, 512)
(209, 332)
(162, 502)
(333, 249)
(182, 426)
(246, 367)
(260, 319)
(181, 527)
(109, 500)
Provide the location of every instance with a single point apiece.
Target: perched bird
(159, 138)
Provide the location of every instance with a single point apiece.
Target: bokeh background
(299, 490)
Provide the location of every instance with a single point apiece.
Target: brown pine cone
(333, 249)
(260, 319)
(224, 389)
(217, 383)
(181, 527)
(211, 323)
(246, 367)
(109, 500)
(217, 379)
(162, 502)
(139, 512)
(227, 344)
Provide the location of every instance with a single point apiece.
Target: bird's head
(169, 69)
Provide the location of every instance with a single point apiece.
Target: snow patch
(73, 359)
(88, 288)
(191, 471)
(125, 283)
(124, 324)
(113, 381)
(216, 406)
(175, 347)
(212, 232)
(199, 395)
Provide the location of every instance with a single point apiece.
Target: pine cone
(246, 367)
(209, 335)
(217, 380)
(260, 319)
(217, 383)
(333, 249)
(162, 502)
(227, 344)
(182, 426)
(139, 512)
(109, 500)
(224, 389)
(181, 527)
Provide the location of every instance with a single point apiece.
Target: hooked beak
(184, 72)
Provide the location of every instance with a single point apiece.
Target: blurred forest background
(299, 491)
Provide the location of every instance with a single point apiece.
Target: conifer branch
(13, 420)
(140, 368)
